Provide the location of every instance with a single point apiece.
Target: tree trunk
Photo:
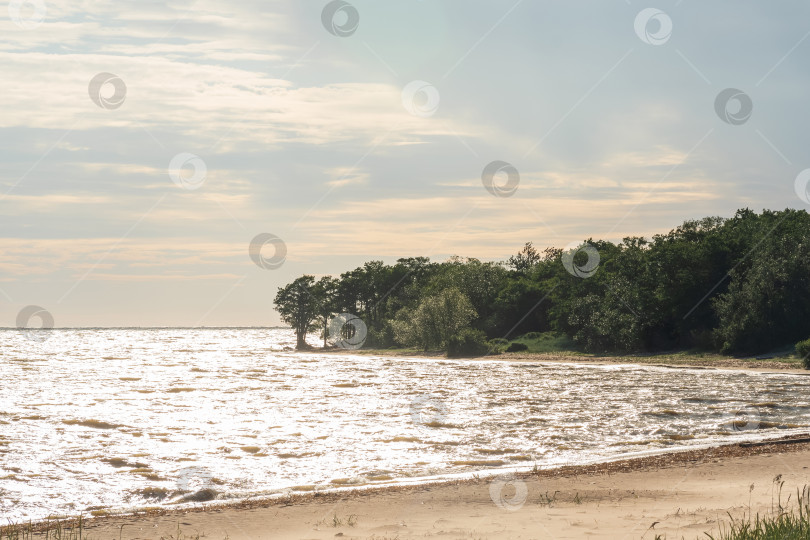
(301, 342)
(325, 330)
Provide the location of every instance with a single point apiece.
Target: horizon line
(148, 328)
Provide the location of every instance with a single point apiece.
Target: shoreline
(674, 361)
(648, 466)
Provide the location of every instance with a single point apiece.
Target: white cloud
(345, 176)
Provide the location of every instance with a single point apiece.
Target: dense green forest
(738, 286)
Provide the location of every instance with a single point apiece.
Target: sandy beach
(678, 495)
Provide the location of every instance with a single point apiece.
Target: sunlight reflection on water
(130, 417)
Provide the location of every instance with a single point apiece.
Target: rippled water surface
(120, 418)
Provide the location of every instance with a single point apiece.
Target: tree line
(737, 285)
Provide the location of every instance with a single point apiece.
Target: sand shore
(676, 495)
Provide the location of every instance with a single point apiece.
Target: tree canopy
(736, 285)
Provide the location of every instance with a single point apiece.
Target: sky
(146, 146)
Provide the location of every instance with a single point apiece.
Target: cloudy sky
(146, 144)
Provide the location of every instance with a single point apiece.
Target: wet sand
(677, 495)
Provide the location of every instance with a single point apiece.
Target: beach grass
(51, 529)
(782, 524)
(784, 527)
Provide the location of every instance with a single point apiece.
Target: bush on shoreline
(803, 352)
(468, 342)
(498, 345)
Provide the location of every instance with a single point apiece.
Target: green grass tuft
(783, 525)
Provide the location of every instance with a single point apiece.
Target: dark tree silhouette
(298, 307)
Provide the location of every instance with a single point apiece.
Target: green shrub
(497, 345)
(803, 351)
(517, 347)
(467, 342)
(546, 342)
(380, 338)
(533, 335)
(437, 318)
